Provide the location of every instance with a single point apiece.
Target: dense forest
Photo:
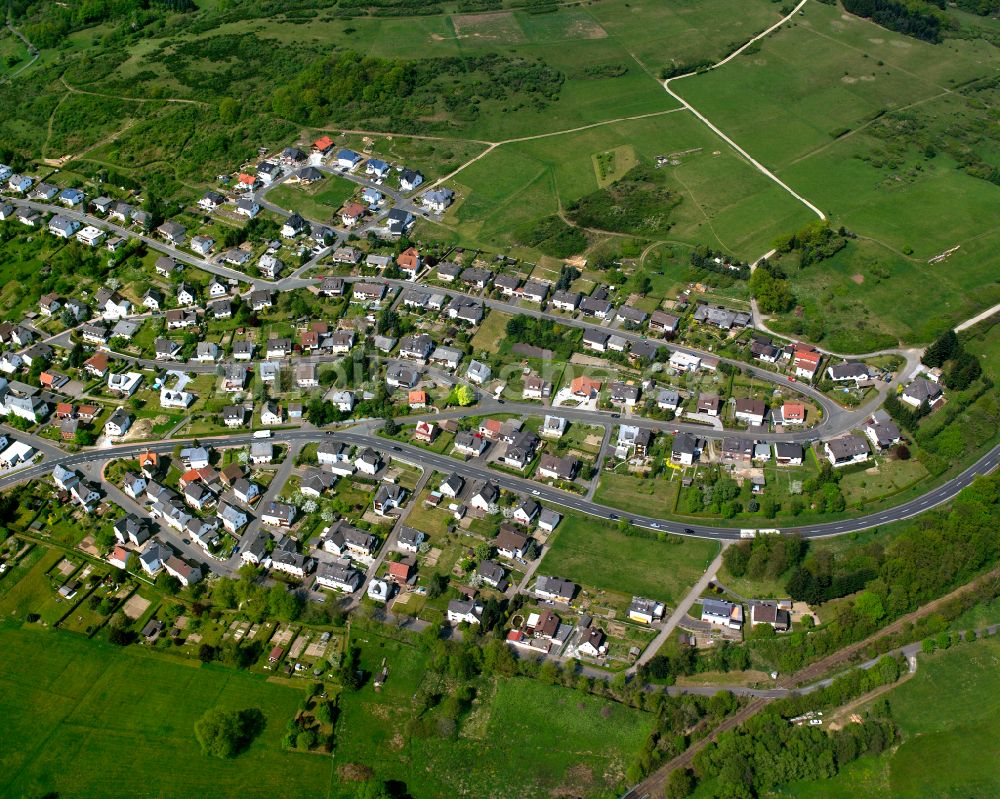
(350, 86)
(912, 18)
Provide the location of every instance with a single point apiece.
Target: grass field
(725, 201)
(624, 490)
(596, 737)
(320, 201)
(983, 340)
(91, 720)
(808, 104)
(948, 714)
(595, 554)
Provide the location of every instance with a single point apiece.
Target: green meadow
(724, 200)
(867, 124)
(949, 716)
(85, 719)
(595, 554)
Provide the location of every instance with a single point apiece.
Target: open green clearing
(91, 719)
(724, 200)
(596, 554)
(948, 713)
(318, 201)
(596, 737)
(983, 340)
(867, 124)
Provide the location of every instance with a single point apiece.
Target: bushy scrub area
(639, 203)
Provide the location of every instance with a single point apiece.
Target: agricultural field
(77, 707)
(947, 713)
(596, 554)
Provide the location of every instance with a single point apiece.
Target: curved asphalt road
(539, 491)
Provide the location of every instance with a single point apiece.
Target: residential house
(548, 520)
(348, 159)
(345, 539)
(787, 453)
(173, 233)
(555, 589)
(410, 179)
(526, 511)
(491, 573)
(475, 277)
(585, 387)
(847, 449)
(881, 430)
(469, 443)
(553, 427)
(536, 388)
(685, 449)
(631, 316)
(595, 340)
(805, 361)
(399, 376)
(511, 544)
(416, 347)
(566, 300)
(387, 497)
(130, 529)
(709, 404)
(369, 462)
(555, 468)
(63, 227)
(410, 540)
(368, 292)
(118, 423)
(751, 411)
(232, 518)
(922, 391)
(339, 577)
(246, 491)
(520, 450)
(534, 291)
(791, 413)
(278, 514)
(438, 200)
(668, 399)
(624, 394)
(722, 613)
(446, 356)
(399, 222)
(848, 372)
(594, 643)
(294, 226)
(261, 452)
(478, 372)
(465, 611)
(770, 613)
(684, 361)
(661, 322)
(645, 611)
